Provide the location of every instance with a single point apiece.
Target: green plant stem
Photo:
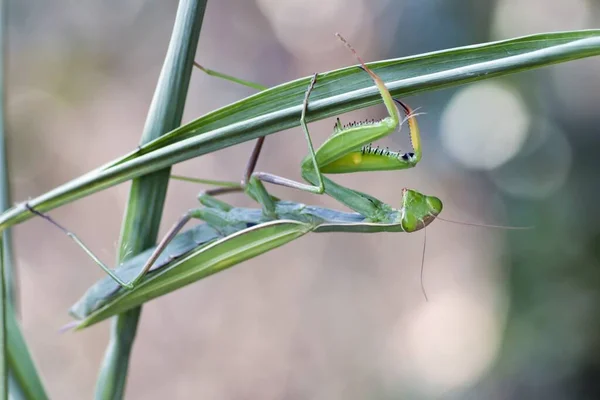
(4, 282)
(3, 339)
(4, 182)
(25, 378)
(16, 361)
(147, 194)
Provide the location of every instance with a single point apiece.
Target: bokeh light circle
(484, 125)
(450, 343)
(541, 168)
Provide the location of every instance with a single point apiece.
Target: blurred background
(511, 315)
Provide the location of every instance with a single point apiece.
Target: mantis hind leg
(76, 239)
(212, 214)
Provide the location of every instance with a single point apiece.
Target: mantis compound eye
(408, 156)
(435, 205)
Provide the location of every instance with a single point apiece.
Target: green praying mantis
(231, 235)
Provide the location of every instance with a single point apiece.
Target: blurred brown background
(337, 316)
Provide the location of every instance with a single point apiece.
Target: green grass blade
(22, 367)
(4, 269)
(336, 92)
(5, 204)
(3, 330)
(230, 78)
(15, 359)
(350, 88)
(147, 194)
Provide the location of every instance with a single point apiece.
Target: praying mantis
(231, 235)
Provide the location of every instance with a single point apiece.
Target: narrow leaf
(336, 92)
(15, 358)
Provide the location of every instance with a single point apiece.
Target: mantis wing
(99, 294)
(105, 299)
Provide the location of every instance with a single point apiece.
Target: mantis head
(418, 210)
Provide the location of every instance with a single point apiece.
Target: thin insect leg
(281, 181)
(253, 187)
(255, 192)
(311, 148)
(222, 190)
(260, 141)
(175, 229)
(212, 202)
(211, 182)
(164, 242)
(251, 166)
(212, 217)
(423, 262)
(231, 187)
(82, 246)
(258, 192)
(278, 180)
(230, 78)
